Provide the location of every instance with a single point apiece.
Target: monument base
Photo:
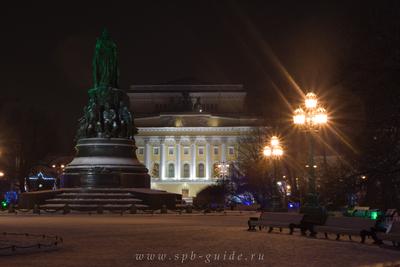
(105, 163)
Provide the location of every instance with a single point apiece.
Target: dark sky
(46, 48)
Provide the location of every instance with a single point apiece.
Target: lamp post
(274, 152)
(310, 117)
(59, 168)
(223, 169)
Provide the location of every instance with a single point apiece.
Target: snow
(114, 240)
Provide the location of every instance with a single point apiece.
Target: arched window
(186, 170)
(201, 170)
(171, 170)
(155, 172)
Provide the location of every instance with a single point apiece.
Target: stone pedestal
(105, 163)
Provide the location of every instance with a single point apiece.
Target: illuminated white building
(185, 131)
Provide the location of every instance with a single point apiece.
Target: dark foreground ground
(182, 240)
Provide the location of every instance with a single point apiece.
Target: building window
(141, 150)
(215, 150)
(171, 150)
(201, 170)
(156, 150)
(186, 150)
(231, 150)
(201, 150)
(171, 170)
(155, 172)
(186, 170)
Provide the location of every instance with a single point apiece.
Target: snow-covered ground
(181, 240)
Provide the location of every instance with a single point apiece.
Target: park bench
(274, 220)
(393, 234)
(345, 226)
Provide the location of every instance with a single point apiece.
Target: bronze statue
(105, 64)
(107, 114)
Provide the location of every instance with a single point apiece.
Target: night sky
(46, 49)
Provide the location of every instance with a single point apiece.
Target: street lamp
(59, 168)
(310, 117)
(274, 151)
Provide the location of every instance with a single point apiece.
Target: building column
(193, 152)
(178, 159)
(147, 154)
(208, 158)
(162, 158)
(223, 150)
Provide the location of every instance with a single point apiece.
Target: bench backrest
(350, 222)
(283, 217)
(361, 208)
(390, 212)
(395, 229)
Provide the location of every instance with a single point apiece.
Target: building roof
(168, 88)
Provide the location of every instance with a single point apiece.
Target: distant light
(274, 141)
(3, 204)
(62, 166)
(299, 116)
(307, 166)
(40, 185)
(288, 186)
(315, 166)
(267, 151)
(311, 100)
(1, 174)
(277, 151)
(320, 117)
(53, 165)
(363, 177)
(279, 183)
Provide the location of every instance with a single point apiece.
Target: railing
(45, 242)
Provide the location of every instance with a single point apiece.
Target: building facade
(186, 131)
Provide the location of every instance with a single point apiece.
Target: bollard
(67, 209)
(100, 209)
(11, 208)
(133, 209)
(189, 209)
(36, 209)
(163, 209)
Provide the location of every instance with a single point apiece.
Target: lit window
(141, 150)
(155, 151)
(231, 150)
(186, 150)
(155, 172)
(201, 150)
(215, 150)
(171, 150)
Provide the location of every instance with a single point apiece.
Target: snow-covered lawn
(181, 240)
